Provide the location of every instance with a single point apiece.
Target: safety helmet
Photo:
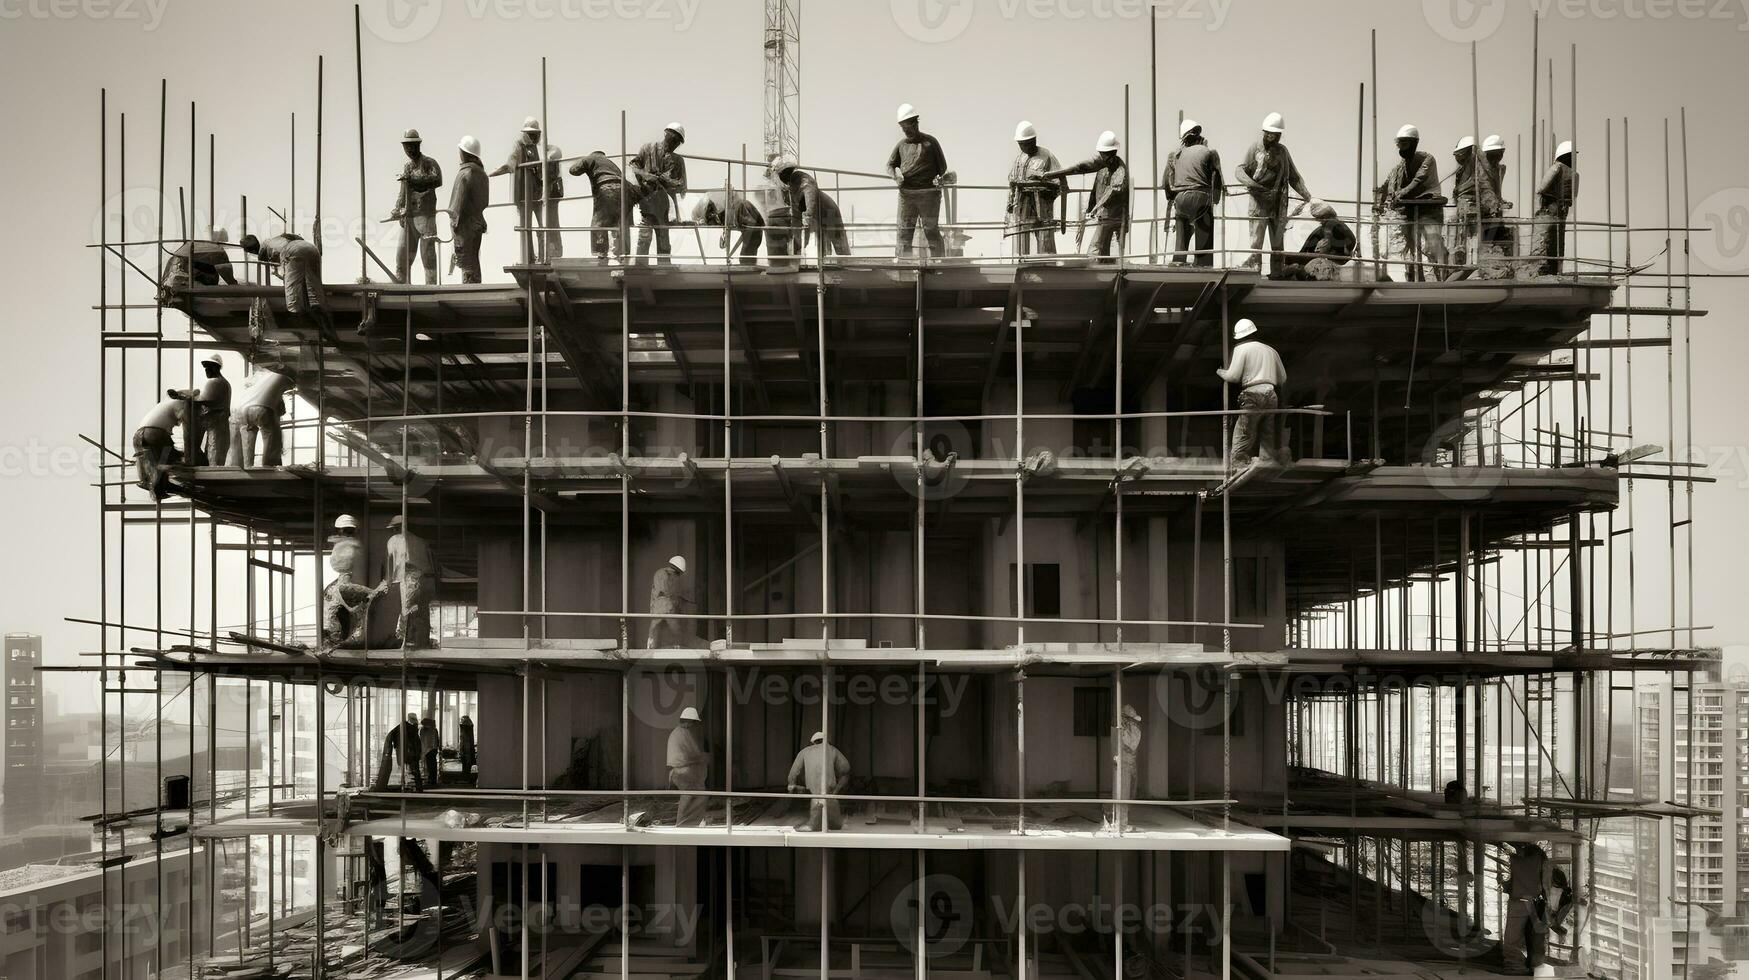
(906, 111)
(1024, 131)
(1564, 150)
(468, 144)
(818, 738)
(689, 713)
(1492, 143)
(1107, 141)
(345, 521)
(1409, 132)
(1244, 328)
(1187, 127)
(530, 124)
(410, 136)
(677, 130)
(212, 359)
(1273, 123)
(1322, 210)
(678, 562)
(1464, 144)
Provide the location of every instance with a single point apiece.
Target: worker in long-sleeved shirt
(812, 212)
(1109, 201)
(208, 434)
(1257, 371)
(416, 210)
(468, 198)
(1328, 247)
(1477, 200)
(1193, 191)
(204, 263)
(402, 741)
(918, 167)
(738, 215)
(820, 768)
(257, 412)
(1554, 200)
(1268, 173)
(662, 172)
(1496, 233)
(411, 567)
(668, 594)
(1411, 191)
(613, 197)
(1528, 879)
(299, 264)
(1032, 200)
(528, 189)
(689, 764)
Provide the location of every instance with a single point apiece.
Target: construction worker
(783, 238)
(411, 567)
(1554, 201)
(205, 263)
(299, 264)
(662, 173)
(613, 198)
(1193, 190)
(258, 410)
(689, 763)
(1498, 234)
(917, 167)
(1477, 200)
(416, 210)
(1269, 174)
(209, 415)
(1109, 201)
(1411, 193)
(465, 746)
(1032, 200)
(468, 198)
(155, 445)
(345, 603)
(737, 215)
(1326, 249)
(820, 768)
(403, 743)
(1257, 370)
(667, 594)
(1527, 883)
(430, 749)
(1129, 743)
(344, 549)
(812, 212)
(525, 188)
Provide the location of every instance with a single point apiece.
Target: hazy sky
(973, 69)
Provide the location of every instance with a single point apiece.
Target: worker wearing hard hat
(416, 210)
(662, 173)
(613, 197)
(1411, 193)
(1269, 174)
(813, 214)
(258, 408)
(209, 417)
(414, 571)
(345, 554)
(735, 214)
(346, 603)
(1032, 200)
(204, 263)
(820, 768)
(527, 189)
(468, 198)
(1554, 201)
(299, 264)
(1326, 249)
(1109, 201)
(1477, 200)
(689, 765)
(668, 593)
(155, 445)
(918, 167)
(1257, 371)
(1193, 191)
(1498, 235)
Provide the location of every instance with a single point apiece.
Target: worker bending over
(1109, 202)
(402, 742)
(197, 263)
(1326, 249)
(813, 213)
(155, 445)
(416, 210)
(737, 215)
(613, 198)
(1258, 372)
(1032, 200)
(918, 167)
(299, 264)
(258, 411)
(821, 769)
(689, 765)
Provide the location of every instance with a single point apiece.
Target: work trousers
(1549, 240)
(654, 211)
(692, 808)
(244, 426)
(384, 764)
(1034, 226)
(823, 815)
(920, 206)
(833, 240)
(1268, 218)
(607, 216)
(432, 766)
(1258, 430)
(1521, 940)
(300, 265)
(1418, 240)
(215, 435)
(546, 246)
(414, 625)
(154, 449)
(1193, 218)
(751, 238)
(418, 233)
(467, 253)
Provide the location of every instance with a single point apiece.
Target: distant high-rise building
(24, 727)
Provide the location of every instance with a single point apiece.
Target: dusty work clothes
(1477, 200)
(1193, 190)
(1554, 200)
(256, 410)
(668, 597)
(1417, 234)
(688, 766)
(402, 742)
(1268, 173)
(1522, 940)
(783, 237)
(300, 266)
(1032, 210)
(345, 610)
(525, 188)
(418, 234)
(212, 412)
(410, 566)
(812, 212)
(1258, 431)
(613, 200)
(1109, 201)
(154, 449)
(1327, 248)
(416, 205)
(196, 263)
(819, 768)
(662, 173)
(920, 164)
(741, 217)
(468, 198)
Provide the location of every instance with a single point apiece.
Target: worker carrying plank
(1257, 370)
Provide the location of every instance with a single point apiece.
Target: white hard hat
(1565, 149)
(212, 359)
(677, 129)
(468, 144)
(1464, 144)
(1188, 126)
(1492, 143)
(689, 713)
(782, 163)
(678, 562)
(1107, 141)
(346, 520)
(1244, 328)
(818, 737)
(1273, 123)
(554, 153)
(1409, 132)
(530, 124)
(906, 111)
(1024, 131)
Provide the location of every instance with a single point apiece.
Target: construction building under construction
(1111, 705)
